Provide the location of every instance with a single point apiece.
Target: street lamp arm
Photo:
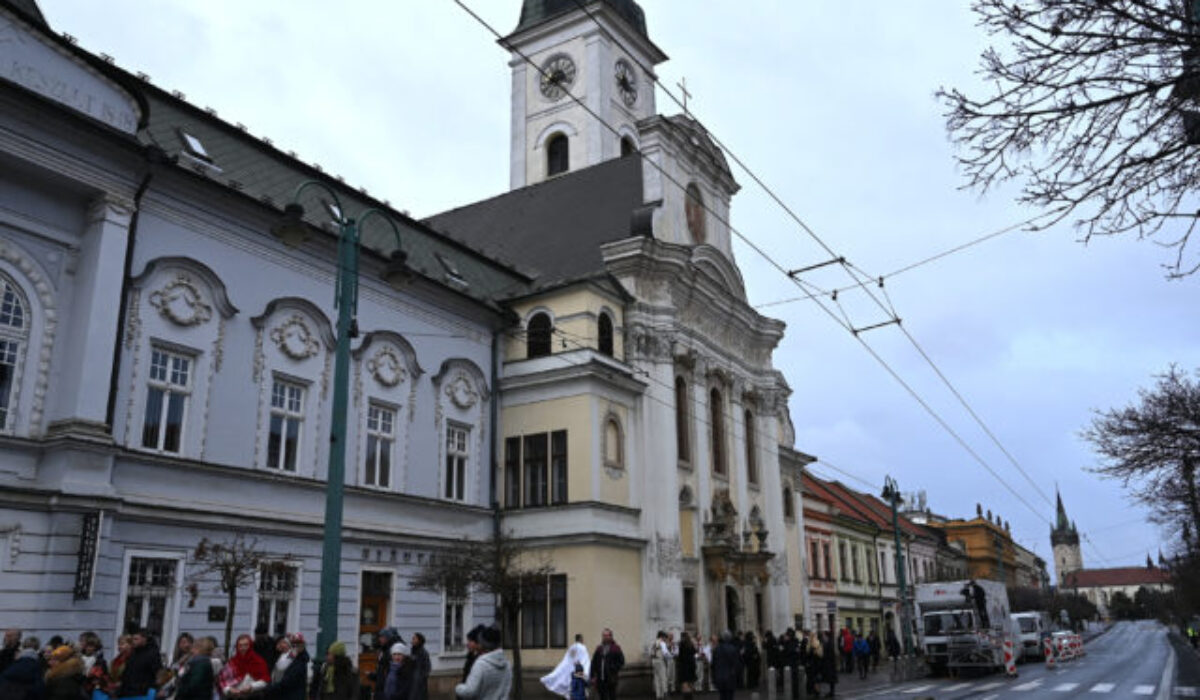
(341, 211)
(375, 211)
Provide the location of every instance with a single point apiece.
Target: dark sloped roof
(1121, 576)
(30, 10)
(555, 227)
(253, 167)
(534, 12)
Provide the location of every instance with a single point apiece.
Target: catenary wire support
(894, 319)
(836, 261)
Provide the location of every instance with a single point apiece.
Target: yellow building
(988, 542)
(641, 416)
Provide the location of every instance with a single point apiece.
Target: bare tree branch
(1095, 109)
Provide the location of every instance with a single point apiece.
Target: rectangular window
(854, 564)
(843, 571)
(533, 614)
(276, 598)
(453, 621)
(543, 612)
(814, 564)
(287, 418)
(558, 466)
(883, 570)
(534, 474)
(381, 436)
(689, 606)
(166, 397)
(751, 460)
(8, 370)
(457, 439)
(148, 593)
(826, 561)
(512, 472)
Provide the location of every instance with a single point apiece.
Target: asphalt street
(1133, 660)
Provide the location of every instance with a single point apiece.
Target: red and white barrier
(1010, 662)
(1048, 648)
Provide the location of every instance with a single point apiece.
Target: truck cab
(1031, 628)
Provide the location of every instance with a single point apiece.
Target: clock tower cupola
(600, 54)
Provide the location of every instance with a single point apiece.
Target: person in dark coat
(685, 666)
(607, 662)
(337, 680)
(383, 660)
(398, 685)
(265, 646)
(752, 660)
(12, 644)
(64, 677)
(829, 663)
(726, 665)
(23, 679)
(196, 681)
(893, 644)
(876, 647)
(421, 668)
(789, 657)
(294, 682)
(141, 671)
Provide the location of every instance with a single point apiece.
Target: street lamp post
(891, 493)
(293, 230)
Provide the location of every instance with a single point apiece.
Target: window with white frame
(148, 593)
(454, 620)
(287, 419)
(14, 329)
(168, 387)
(381, 437)
(276, 597)
(457, 440)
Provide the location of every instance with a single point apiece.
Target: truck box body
(954, 632)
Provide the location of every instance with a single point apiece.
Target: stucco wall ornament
(180, 302)
(614, 473)
(387, 367)
(668, 555)
(778, 567)
(462, 392)
(295, 339)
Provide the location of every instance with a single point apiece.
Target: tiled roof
(1121, 576)
(555, 227)
(254, 168)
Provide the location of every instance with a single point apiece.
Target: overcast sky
(831, 104)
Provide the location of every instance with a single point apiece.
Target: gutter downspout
(153, 155)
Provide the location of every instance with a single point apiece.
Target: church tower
(603, 57)
(1064, 537)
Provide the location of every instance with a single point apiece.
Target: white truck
(963, 624)
(1032, 627)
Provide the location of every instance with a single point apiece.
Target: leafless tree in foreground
(1153, 447)
(1094, 105)
(236, 563)
(502, 567)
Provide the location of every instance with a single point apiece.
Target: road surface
(1132, 660)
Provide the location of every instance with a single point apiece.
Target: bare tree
(1095, 106)
(1153, 447)
(502, 567)
(235, 562)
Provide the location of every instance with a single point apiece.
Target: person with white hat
(398, 685)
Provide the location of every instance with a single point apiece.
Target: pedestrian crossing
(1114, 689)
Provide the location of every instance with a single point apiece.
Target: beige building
(641, 416)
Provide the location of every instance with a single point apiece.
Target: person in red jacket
(847, 649)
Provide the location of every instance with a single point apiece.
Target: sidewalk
(848, 686)
(1187, 661)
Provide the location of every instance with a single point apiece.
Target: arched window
(717, 423)
(683, 446)
(694, 211)
(537, 335)
(558, 155)
(14, 330)
(789, 507)
(613, 454)
(604, 334)
(751, 462)
(628, 147)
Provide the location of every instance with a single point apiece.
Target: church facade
(640, 413)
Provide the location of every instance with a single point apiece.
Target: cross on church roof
(682, 85)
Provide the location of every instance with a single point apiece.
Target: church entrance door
(731, 609)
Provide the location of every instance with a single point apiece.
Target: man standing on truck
(976, 597)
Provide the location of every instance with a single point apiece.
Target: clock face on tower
(558, 75)
(626, 82)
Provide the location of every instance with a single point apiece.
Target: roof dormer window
(194, 147)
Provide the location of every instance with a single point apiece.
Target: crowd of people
(260, 668)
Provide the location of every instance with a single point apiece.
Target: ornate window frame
(386, 372)
(461, 396)
(31, 378)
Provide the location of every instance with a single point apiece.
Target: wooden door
(374, 614)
